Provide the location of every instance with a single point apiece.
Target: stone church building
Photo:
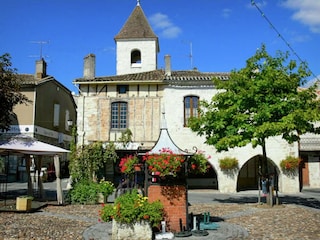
(138, 96)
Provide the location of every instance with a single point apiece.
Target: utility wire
(282, 38)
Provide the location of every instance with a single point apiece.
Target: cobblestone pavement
(238, 215)
(236, 221)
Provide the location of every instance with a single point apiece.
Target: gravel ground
(262, 222)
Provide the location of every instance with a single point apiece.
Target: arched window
(119, 114)
(135, 56)
(191, 105)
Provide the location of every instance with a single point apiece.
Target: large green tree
(9, 91)
(257, 102)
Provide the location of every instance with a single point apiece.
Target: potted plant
(228, 164)
(198, 163)
(23, 203)
(132, 216)
(127, 164)
(164, 163)
(290, 164)
(104, 189)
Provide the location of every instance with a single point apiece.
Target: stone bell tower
(136, 45)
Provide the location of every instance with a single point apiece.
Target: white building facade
(139, 94)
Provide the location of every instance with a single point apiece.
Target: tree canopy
(9, 91)
(261, 100)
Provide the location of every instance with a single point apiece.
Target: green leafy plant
(198, 163)
(86, 161)
(228, 164)
(110, 154)
(132, 207)
(83, 192)
(290, 164)
(127, 164)
(165, 163)
(105, 187)
(126, 137)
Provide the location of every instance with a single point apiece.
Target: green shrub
(132, 207)
(84, 192)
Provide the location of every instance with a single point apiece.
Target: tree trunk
(265, 159)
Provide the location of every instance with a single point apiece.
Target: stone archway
(248, 176)
(208, 180)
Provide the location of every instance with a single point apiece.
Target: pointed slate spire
(136, 26)
(165, 141)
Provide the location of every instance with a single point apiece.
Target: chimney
(167, 60)
(89, 69)
(41, 69)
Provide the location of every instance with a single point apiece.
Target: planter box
(23, 203)
(137, 231)
(101, 198)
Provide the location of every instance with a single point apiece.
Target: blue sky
(219, 34)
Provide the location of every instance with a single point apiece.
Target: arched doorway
(208, 180)
(248, 176)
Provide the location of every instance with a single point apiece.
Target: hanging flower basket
(229, 164)
(198, 163)
(290, 164)
(165, 163)
(127, 164)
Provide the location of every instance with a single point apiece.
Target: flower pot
(23, 203)
(139, 231)
(137, 167)
(101, 198)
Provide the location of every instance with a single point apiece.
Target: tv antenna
(41, 45)
(190, 55)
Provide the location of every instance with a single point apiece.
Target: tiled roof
(158, 76)
(152, 76)
(194, 77)
(137, 26)
(29, 79)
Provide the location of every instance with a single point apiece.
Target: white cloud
(226, 12)
(162, 23)
(306, 12)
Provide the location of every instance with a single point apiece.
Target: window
(122, 89)
(56, 115)
(135, 56)
(119, 115)
(191, 105)
(67, 118)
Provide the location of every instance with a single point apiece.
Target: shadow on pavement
(285, 199)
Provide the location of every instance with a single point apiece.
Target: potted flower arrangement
(228, 164)
(290, 164)
(198, 163)
(129, 211)
(164, 163)
(104, 189)
(127, 164)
